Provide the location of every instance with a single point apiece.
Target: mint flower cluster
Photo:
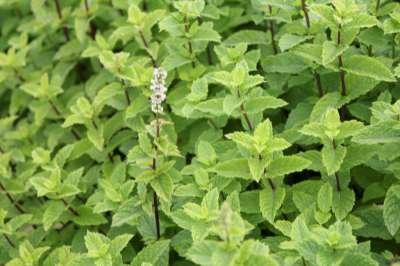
(159, 90)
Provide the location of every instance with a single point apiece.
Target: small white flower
(159, 90)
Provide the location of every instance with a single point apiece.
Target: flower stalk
(158, 96)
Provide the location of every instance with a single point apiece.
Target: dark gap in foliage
(299, 177)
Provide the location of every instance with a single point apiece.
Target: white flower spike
(159, 90)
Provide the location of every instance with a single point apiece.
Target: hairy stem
(369, 49)
(11, 199)
(318, 84)
(244, 113)
(70, 209)
(271, 184)
(128, 99)
(393, 46)
(317, 77)
(338, 188)
(9, 240)
(378, 3)
(60, 16)
(272, 31)
(58, 112)
(144, 4)
(189, 43)
(153, 61)
(91, 25)
(340, 62)
(208, 49)
(305, 11)
(155, 197)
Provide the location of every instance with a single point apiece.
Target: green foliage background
(279, 143)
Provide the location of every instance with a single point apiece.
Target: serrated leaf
(324, 200)
(233, 168)
(332, 158)
(286, 165)
(391, 209)
(368, 67)
(343, 202)
(53, 211)
(156, 254)
(259, 104)
(270, 202)
(288, 41)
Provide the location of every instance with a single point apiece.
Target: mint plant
(199, 132)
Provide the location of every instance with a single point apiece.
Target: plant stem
(144, 3)
(340, 61)
(393, 47)
(11, 199)
(244, 113)
(338, 188)
(189, 43)
(154, 167)
(58, 112)
(208, 49)
(60, 16)
(94, 124)
(378, 3)
(128, 99)
(271, 184)
(334, 146)
(72, 210)
(91, 25)
(156, 215)
(305, 11)
(369, 48)
(318, 84)
(9, 240)
(317, 77)
(147, 47)
(272, 31)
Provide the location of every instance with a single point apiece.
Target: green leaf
(206, 153)
(391, 209)
(231, 103)
(331, 51)
(233, 168)
(119, 243)
(332, 158)
(368, 67)
(284, 63)
(288, 41)
(156, 254)
(286, 165)
(358, 259)
(201, 252)
(256, 105)
(343, 202)
(256, 169)
(52, 213)
(96, 137)
(248, 36)
(86, 217)
(206, 33)
(198, 90)
(325, 197)
(106, 93)
(270, 202)
(96, 244)
(383, 132)
(163, 185)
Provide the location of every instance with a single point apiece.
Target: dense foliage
(199, 132)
